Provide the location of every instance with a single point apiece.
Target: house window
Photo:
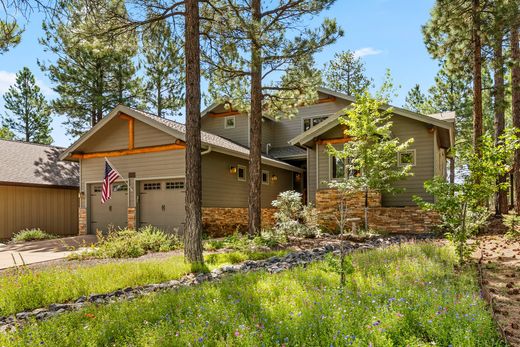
(229, 122)
(406, 158)
(120, 187)
(338, 167)
(265, 177)
(241, 173)
(175, 185)
(97, 189)
(152, 186)
(312, 121)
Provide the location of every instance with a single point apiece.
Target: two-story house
(148, 152)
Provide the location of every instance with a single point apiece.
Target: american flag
(110, 176)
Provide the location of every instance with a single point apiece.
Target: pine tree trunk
(193, 227)
(255, 154)
(515, 90)
(477, 77)
(499, 121)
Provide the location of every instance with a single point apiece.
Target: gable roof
(177, 130)
(443, 120)
(35, 164)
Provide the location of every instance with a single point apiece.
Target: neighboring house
(37, 190)
(149, 153)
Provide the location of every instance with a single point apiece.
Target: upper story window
(229, 122)
(406, 158)
(312, 121)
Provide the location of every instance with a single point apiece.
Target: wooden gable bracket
(139, 150)
(325, 100)
(223, 114)
(333, 141)
(131, 122)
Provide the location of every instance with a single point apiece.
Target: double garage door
(160, 203)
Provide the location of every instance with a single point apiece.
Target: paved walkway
(40, 251)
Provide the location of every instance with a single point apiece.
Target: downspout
(207, 151)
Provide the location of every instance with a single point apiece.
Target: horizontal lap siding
(54, 210)
(238, 134)
(220, 188)
(404, 129)
(311, 175)
(286, 129)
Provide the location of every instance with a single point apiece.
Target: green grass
(32, 235)
(402, 296)
(25, 289)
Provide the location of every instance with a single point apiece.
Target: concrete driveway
(41, 251)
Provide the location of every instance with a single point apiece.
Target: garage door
(113, 213)
(161, 204)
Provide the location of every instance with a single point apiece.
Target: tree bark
(499, 119)
(193, 227)
(477, 77)
(255, 138)
(515, 93)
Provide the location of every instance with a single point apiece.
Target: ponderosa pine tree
(6, 134)
(163, 68)
(275, 44)
(29, 116)
(417, 101)
(10, 35)
(453, 34)
(346, 73)
(92, 74)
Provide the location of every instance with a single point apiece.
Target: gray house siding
(238, 134)
(404, 129)
(222, 189)
(287, 129)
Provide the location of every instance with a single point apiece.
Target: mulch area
(499, 264)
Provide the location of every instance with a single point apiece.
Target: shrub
(512, 222)
(32, 235)
(293, 218)
(129, 243)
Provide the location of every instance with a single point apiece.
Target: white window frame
(268, 177)
(245, 173)
(414, 155)
(226, 126)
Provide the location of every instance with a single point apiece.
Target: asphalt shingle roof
(287, 152)
(27, 163)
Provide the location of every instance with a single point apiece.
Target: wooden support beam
(333, 141)
(223, 114)
(131, 122)
(118, 153)
(325, 100)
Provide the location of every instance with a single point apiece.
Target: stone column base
(131, 218)
(82, 225)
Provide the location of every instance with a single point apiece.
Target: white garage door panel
(161, 204)
(113, 213)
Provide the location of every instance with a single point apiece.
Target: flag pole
(127, 181)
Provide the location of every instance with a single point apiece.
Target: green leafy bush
(32, 235)
(129, 243)
(293, 218)
(512, 222)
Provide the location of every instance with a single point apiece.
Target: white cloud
(9, 78)
(366, 51)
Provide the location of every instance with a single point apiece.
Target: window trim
(325, 116)
(268, 177)
(226, 126)
(332, 160)
(414, 156)
(243, 167)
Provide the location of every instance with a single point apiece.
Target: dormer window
(229, 122)
(312, 121)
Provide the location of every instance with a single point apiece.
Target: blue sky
(385, 33)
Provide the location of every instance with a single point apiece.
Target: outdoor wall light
(81, 195)
(298, 177)
(232, 169)
(431, 129)
(274, 178)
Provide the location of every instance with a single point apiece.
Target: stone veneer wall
(131, 217)
(219, 221)
(390, 219)
(82, 213)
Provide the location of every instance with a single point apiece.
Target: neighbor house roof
(443, 120)
(178, 130)
(25, 163)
